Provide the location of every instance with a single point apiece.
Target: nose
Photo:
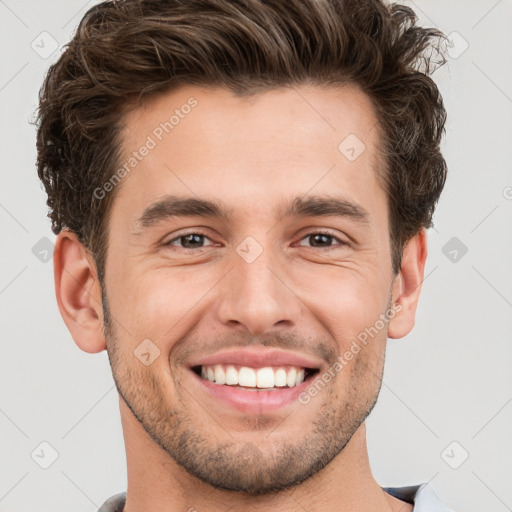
(258, 296)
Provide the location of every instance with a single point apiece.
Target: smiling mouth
(255, 379)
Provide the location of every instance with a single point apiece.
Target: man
(241, 192)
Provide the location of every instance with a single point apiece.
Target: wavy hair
(125, 51)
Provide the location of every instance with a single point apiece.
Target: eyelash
(200, 232)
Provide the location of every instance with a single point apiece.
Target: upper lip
(258, 358)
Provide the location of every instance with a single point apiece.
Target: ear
(407, 285)
(78, 292)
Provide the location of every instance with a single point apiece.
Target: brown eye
(188, 241)
(322, 240)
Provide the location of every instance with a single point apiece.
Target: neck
(157, 483)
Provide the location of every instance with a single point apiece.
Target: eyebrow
(307, 206)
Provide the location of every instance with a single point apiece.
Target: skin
(253, 154)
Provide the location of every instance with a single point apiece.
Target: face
(247, 251)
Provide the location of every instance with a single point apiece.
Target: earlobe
(407, 286)
(78, 292)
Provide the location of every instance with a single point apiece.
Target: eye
(193, 240)
(196, 240)
(322, 240)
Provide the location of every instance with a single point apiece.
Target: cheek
(346, 302)
(156, 303)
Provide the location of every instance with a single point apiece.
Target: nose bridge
(255, 293)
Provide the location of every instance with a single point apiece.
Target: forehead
(248, 150)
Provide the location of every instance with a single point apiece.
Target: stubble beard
(259, 467)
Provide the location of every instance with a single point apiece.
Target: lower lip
(253, 402)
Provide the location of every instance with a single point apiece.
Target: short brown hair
(126, 51)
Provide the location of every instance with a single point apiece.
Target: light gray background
(449, 380)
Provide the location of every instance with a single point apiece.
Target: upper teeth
(246, 376)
